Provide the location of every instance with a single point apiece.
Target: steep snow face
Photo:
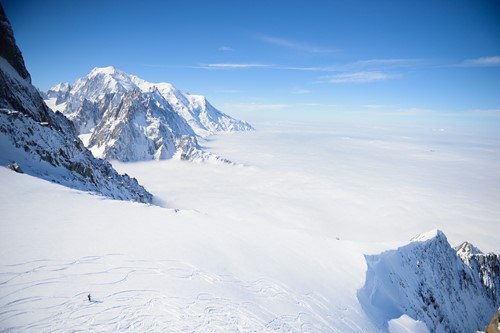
(44, 143)
(199, 113)
(60, 90)
(165, 123)
(429, 281)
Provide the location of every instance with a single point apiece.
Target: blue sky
(413, 57)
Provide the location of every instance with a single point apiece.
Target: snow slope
(152, 268)
(131, 119)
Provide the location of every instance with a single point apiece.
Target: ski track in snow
(49, 295)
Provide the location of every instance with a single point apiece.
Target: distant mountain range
(131, 119)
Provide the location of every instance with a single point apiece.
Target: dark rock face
(15, 167)
(44, 143)
(9, 49)
(485, 265)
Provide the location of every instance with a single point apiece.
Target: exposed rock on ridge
(44, 143)
(431, 282)
(9, 50)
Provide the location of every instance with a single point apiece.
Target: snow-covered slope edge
(449, 290)
(43, 143)
(131, 119)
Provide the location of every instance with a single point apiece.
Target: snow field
(122, 301)
(190, 271)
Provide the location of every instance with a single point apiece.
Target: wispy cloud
(233, 66)
(482, 62)
(268, 66)
(256, 106)
(416, 111)
(487, 112)
(376, 106)
(303, 47)
(226, 49)
(386, 63)
(248, 107)
(229, 91)
(360, 65)
(310, 69)
(358, 77)
(300, 91)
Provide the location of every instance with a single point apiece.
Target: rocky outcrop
(9, 50)
(494, 326)
(45, 143)
(486, 265)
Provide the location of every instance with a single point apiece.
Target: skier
(90, 298)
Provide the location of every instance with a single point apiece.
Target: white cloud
(300, 91)
(233, 66)
(310, 69)
(367, 65)
(386, 63)
(295, 45)
(482, 62)
(229, 91)
(487, 112)
(256, 106)
(359, 77)
(375, 106)
(226, 48)
(415, 111)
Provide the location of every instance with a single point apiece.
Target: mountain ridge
(167, 123)
(432, 282)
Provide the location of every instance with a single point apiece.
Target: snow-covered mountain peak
(466, 249)
(63, 86)
(115, 80)
(432, 235)
(109, 70)
(101, 81)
